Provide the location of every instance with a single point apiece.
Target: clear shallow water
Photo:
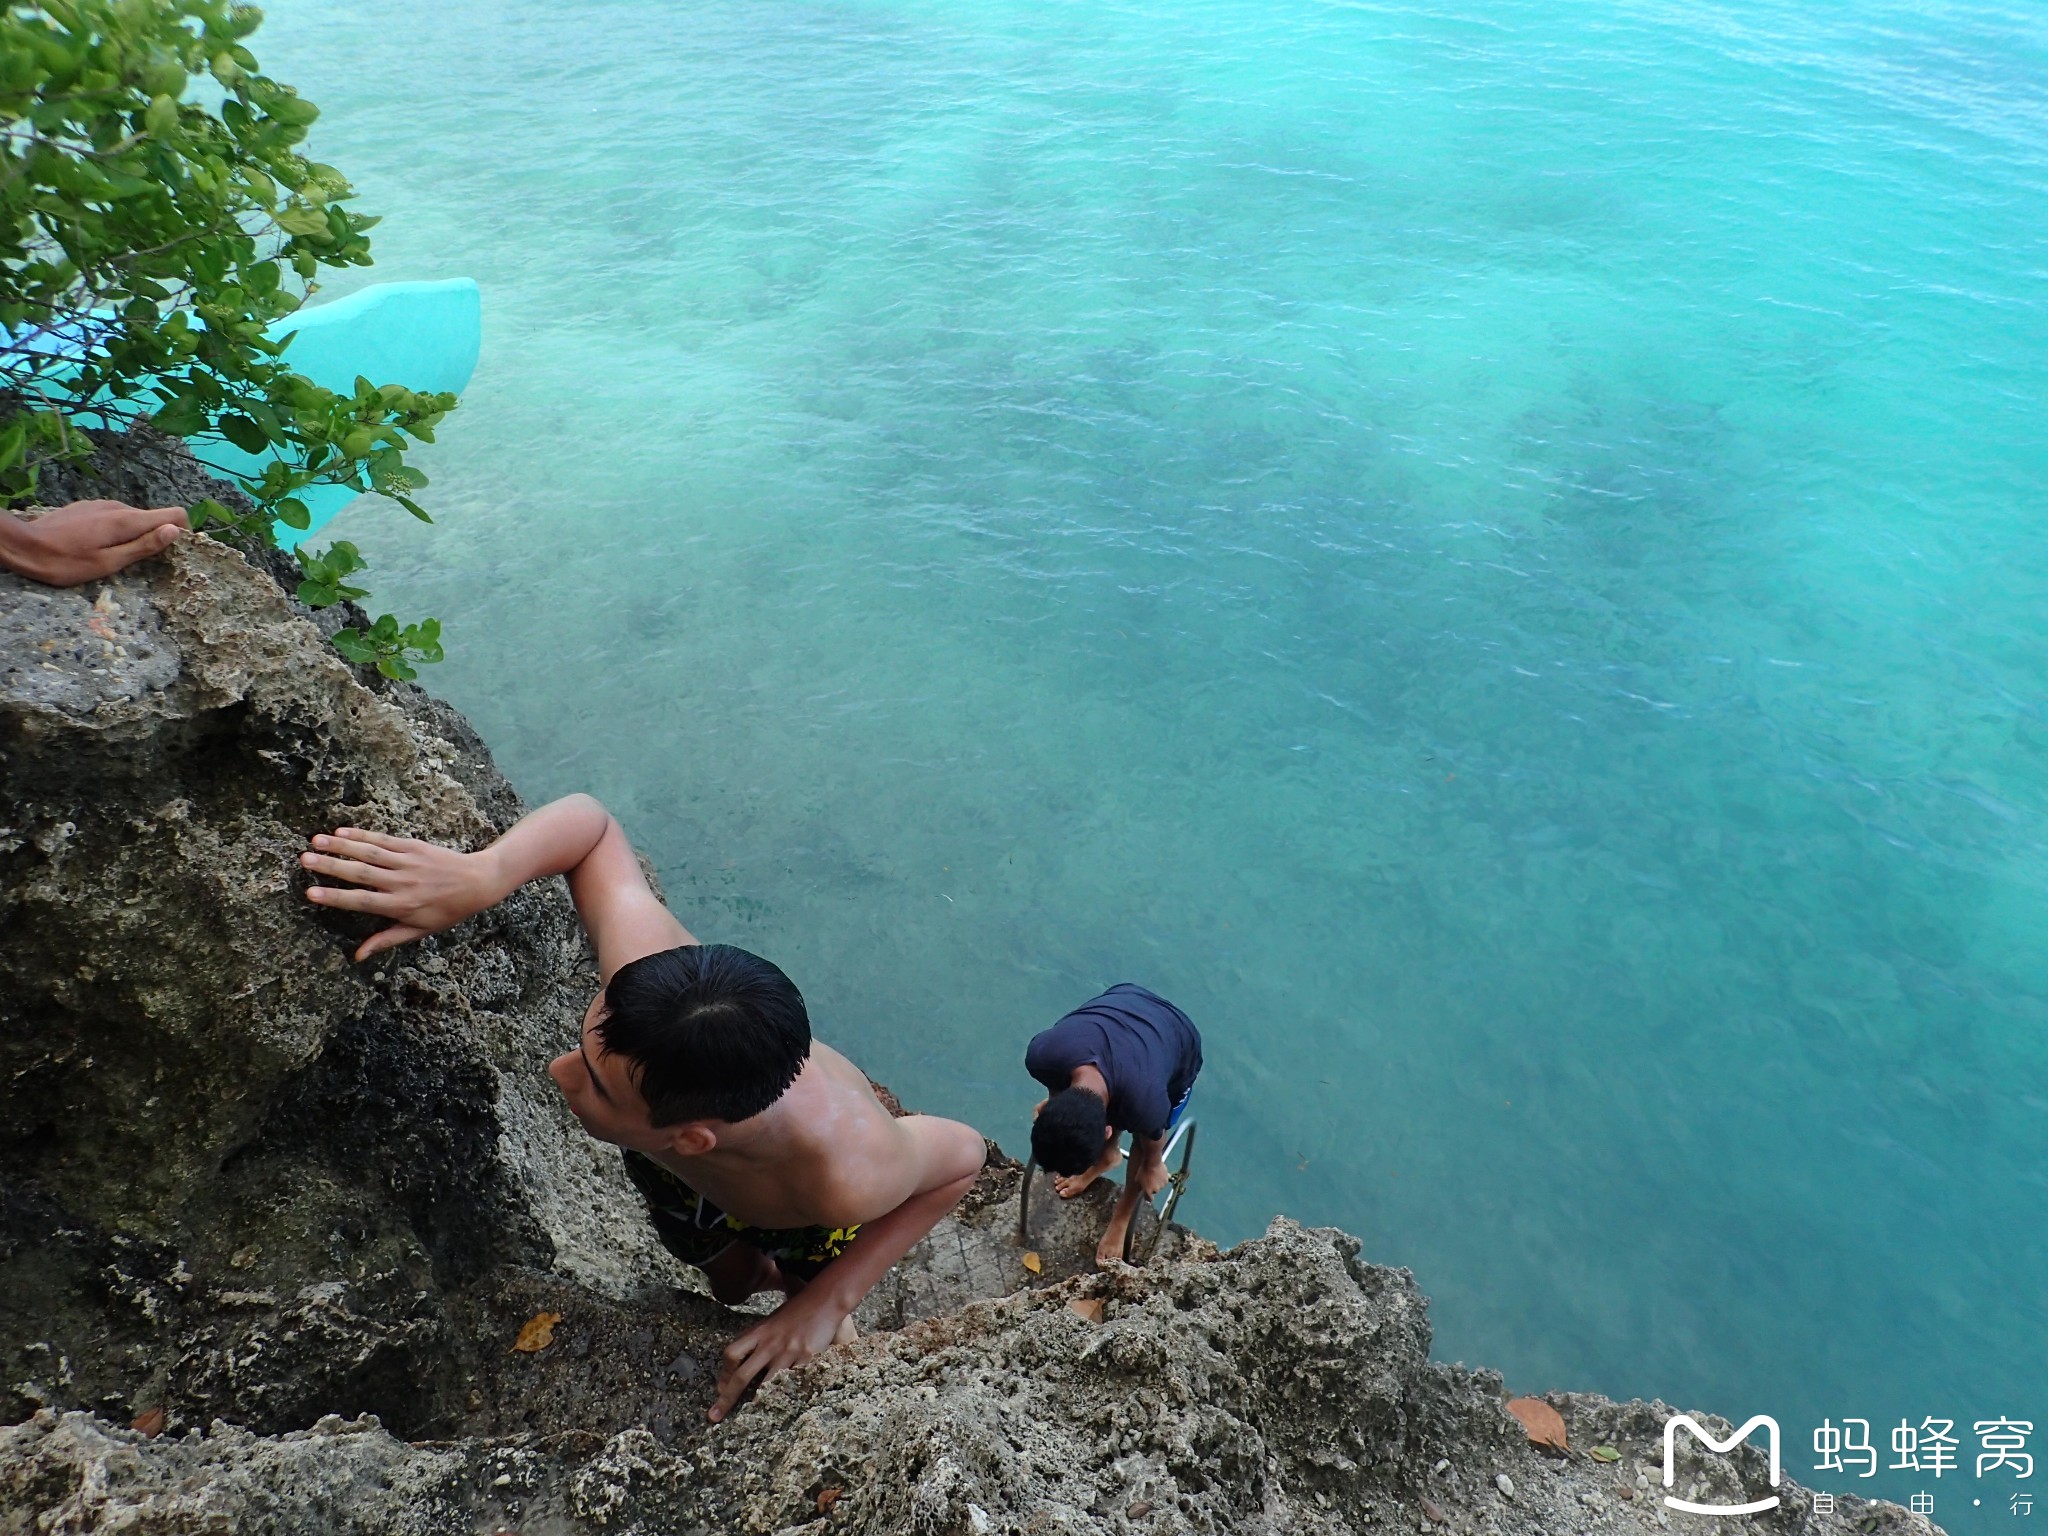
(1495, 554)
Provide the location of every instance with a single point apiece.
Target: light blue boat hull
(425, 336)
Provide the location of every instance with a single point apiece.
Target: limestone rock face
(1226, 1393)
(1281, 1389)
(238, 1172)
(168, 743)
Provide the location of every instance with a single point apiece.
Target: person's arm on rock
(85, 540)
(424, 888)
(934, 1165)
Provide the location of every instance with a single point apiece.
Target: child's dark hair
(709, 1032)
(1068, 1134)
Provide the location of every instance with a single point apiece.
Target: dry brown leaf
(1543, 1422)
(828, 1498)
(149, 1423)
(1033, 1263)
(1139, 1509)
(242, 1258)
(1088, 1307)
(538, 1333)
(1624, 1491)
(1434, 1513)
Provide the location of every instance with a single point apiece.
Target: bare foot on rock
(1111, 1249)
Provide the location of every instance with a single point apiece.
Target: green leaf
(293, 513)
(247, 436)
(166, 78)
(181, 418)
(206, 510)
(297, 219)
(325, 585)
(413, 507)
(292, 110)
(345, 557)
(355, 645)
(1604, 1453)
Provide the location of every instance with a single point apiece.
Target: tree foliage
(156, 217)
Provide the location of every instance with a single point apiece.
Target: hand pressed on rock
(422, 887)
(85, 540)
(793, 1333)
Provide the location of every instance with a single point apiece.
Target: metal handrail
(1168, 1195)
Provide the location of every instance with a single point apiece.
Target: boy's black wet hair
(1068, 1135)
(709, 1032)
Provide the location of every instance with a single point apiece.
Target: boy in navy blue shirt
(1124, 1061)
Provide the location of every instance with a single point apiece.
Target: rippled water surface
(1494, 553)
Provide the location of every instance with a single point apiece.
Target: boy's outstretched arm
(941, 1162)
(424, 888)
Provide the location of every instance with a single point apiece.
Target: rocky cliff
(270, 1221)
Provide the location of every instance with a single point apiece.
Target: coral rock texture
(242, 1174)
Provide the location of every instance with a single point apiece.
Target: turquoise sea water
(1495, 553)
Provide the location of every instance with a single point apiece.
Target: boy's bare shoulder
(859, 1181)
(862, 1161)
(851, 1090)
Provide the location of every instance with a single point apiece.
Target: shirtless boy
(765, 1158)
(1125, 1061)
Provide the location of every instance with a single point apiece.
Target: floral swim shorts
(696, 1231)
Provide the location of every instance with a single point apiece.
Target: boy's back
(1147, 1050)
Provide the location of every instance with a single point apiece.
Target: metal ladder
(1180, 1137)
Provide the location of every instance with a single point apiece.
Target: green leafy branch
(327, 575)
(390, 649)
(148, 242)
(393, 650)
